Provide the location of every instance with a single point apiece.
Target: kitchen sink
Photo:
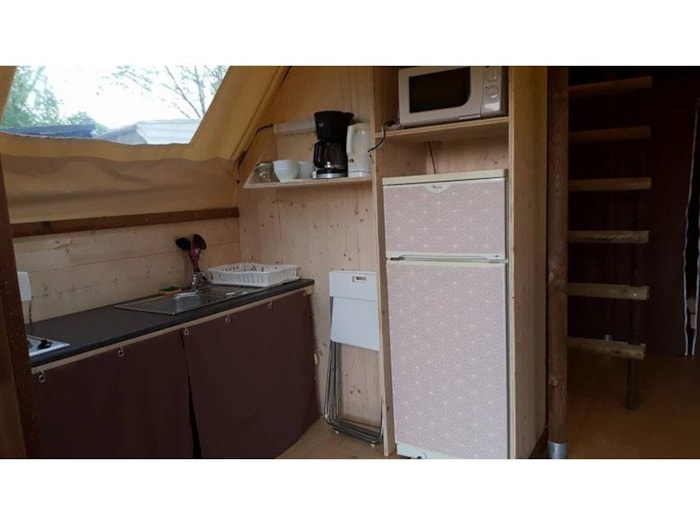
(186, 301)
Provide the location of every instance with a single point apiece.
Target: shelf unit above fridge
(470, 129)
(515, 143)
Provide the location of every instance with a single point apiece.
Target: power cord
(241, 158)
(381, 141)
(432, 157)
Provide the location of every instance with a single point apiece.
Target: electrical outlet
(25, 287)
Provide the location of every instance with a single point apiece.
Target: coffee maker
(330, 157)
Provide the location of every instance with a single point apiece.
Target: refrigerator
(446, 272)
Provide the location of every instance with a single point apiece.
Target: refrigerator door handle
(494, 259)
(437, 188)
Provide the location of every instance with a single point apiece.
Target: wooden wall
(319, 228)
(527, 252)
(77, 271)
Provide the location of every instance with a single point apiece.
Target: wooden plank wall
(77, 271)
(527, 256)
(320, 229)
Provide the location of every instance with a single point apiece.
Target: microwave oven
(435, 94)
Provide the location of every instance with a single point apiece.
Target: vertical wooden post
(18, 426)
(557, 255)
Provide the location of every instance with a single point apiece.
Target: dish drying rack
(253, 274)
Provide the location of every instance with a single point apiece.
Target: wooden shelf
(471, 129)
(28, 229)
(611, 348)
(610, 135)
(614, 184)
(608, 291)
(306, 183)
(609, 236)
(611, 87)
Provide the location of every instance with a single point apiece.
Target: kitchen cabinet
(515, 143)
(128, 402)
(252, 379)
(237, 384)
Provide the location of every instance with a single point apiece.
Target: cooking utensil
(186, 246)
(194, 257)
(199, 241)
(183, 243)
(198, 245)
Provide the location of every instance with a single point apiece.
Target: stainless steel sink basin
(186, 301)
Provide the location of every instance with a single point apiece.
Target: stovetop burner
(39, 345)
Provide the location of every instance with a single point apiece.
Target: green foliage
(187, 89)
(33, 103)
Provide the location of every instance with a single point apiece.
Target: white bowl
(306, 168)
(286, 170)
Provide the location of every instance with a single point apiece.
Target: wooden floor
(321, 442)
(666, 424)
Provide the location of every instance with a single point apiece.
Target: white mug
(306, 169)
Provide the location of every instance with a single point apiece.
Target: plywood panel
(396, 159)
(78, 271)
(467, 155)
(386, 95)
(527, 257)
(319, 228)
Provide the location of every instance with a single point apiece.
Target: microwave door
(431, 95)
(441, 89)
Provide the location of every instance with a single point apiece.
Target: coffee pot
(330, 156)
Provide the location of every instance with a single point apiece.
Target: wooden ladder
(635, 291)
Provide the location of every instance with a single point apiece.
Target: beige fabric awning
(58, 178)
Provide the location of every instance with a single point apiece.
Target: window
(125, 104)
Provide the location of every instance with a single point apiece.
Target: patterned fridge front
(446, 283)
(447, 326)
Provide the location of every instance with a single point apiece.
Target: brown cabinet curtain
(130, 403)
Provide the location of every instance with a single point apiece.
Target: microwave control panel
(493, 101)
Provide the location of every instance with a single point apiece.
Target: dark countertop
(96, 328)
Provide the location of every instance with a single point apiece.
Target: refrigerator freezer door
(448, 357)
(459, 218)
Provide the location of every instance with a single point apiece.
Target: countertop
(99, 327)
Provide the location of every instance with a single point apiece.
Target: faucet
(194, 249)
(199, 281)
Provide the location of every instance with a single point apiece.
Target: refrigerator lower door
(447, 324)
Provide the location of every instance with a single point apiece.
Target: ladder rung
(609, 236)
(611, 348)
(610, 135)
(614, 184)
(608, 291)
(611, 87)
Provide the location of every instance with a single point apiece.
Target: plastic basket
(253, 274)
